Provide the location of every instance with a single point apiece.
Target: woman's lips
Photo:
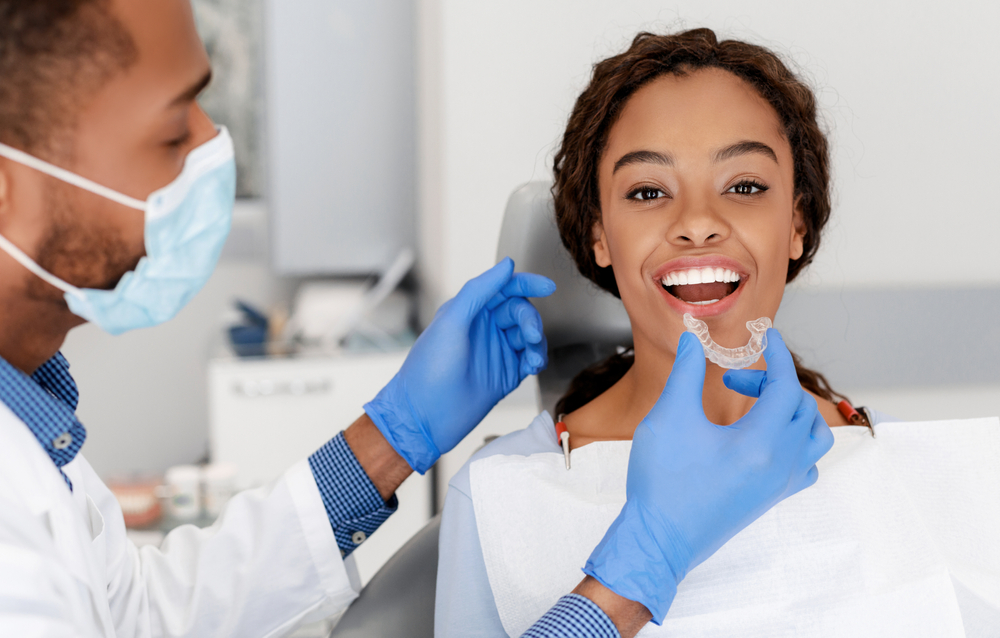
(702, 280)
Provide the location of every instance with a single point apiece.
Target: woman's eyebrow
(643, 157)
(745, 147)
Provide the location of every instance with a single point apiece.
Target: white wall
(908, 89)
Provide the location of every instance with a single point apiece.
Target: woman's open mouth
(701, 289)
(701, 286)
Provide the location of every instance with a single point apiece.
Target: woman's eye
(646, 193)
(748, 188)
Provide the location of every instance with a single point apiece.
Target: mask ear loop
(40, 272)
(70, 178)
(64, 175)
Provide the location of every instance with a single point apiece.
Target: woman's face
(696, 185)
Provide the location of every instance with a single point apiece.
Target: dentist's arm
(479, 347)
(692, 486)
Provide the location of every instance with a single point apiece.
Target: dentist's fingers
(539, 353)
(807, 450)
(515, 338)
(478, 292)
(811, 477)
(524, 284)
(780, 392)
(534, 357)
(520, 313)
(684, 388)
(821, 437)
(532, 362)
(747, 382)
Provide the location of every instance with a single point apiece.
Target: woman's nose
(696, 224)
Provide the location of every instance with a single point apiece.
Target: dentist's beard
(85, 255)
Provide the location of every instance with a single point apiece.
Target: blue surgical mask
(187, 222)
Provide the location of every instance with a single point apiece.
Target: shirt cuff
(353, 505)
(573, 615)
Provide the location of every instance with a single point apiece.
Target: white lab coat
(67, 569)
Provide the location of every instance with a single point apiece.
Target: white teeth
(699, 276)
(703, 303)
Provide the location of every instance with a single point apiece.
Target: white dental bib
(899, 537)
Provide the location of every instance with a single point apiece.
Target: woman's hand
(692, 485)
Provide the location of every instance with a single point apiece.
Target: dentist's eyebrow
(643, 157)
(746, 147)
(194, 90)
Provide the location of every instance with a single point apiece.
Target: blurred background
(372, 136)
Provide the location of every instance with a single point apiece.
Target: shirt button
(358, 537)
(62, 441)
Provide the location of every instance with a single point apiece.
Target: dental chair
(583, 325)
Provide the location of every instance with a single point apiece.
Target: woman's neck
(615, 414)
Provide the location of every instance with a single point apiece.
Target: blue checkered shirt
(573, 615)
(353, 505)
(46, 402)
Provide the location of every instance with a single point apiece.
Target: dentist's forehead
(171, 57)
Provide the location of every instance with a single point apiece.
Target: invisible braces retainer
(732, 358)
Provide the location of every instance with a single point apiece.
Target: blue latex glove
(479, 347)
(692, 485)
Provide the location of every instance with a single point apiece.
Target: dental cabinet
(265, 414)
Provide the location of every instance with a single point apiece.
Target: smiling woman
(693, 177)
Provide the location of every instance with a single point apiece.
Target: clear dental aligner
(732, 358)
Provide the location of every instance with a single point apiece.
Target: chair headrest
(579, 312)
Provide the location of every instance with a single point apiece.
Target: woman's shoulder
(538, 437)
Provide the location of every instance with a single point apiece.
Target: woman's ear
(601, 253)
(798, 234)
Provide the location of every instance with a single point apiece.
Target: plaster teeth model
(732, 358)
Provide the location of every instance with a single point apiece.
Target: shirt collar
(46, 402)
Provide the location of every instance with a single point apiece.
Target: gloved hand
(479, 347)
(692, 485)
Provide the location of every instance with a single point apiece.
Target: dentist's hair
(576, 193)
(54, 54)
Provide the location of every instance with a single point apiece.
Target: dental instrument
(562, 434)
(732, 358)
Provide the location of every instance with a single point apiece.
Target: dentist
(116, 192)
